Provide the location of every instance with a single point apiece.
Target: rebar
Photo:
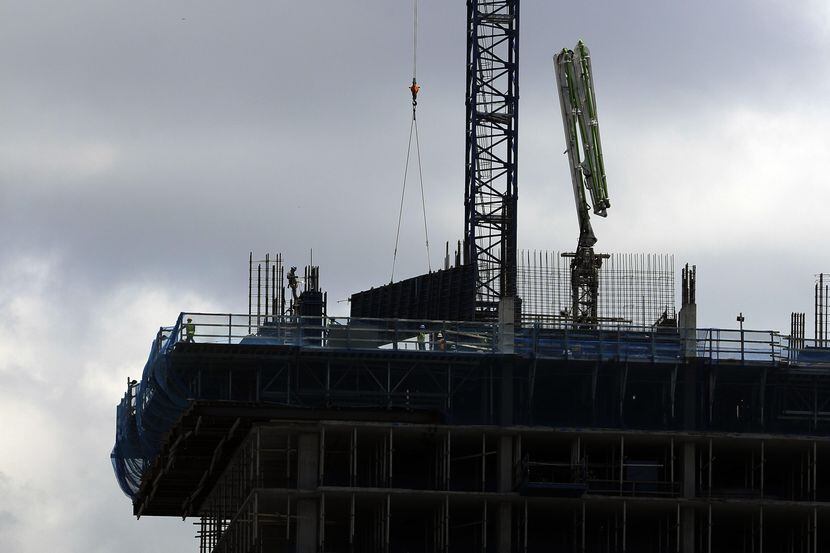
(634, 289)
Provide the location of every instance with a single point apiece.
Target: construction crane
(575, 84)
(492, 151)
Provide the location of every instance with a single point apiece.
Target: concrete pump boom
(579, 117)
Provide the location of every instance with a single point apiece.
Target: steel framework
(492, 150)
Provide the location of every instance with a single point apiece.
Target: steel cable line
(413, 126)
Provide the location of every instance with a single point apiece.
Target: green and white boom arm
(579, 117)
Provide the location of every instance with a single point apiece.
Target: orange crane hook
(415, 88)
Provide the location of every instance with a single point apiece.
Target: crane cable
(413, 126)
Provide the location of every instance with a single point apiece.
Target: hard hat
(440, 335)
(422, 327)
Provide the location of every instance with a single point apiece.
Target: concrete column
(687, 529)
(505, 522)
(505, 392)
(307, 526)
(687, 513)
(505, 463)
(507, 341)
(687, 324)
(505, 482)
(308, 463)
(507, 344)
(689, 470)
(507, 325)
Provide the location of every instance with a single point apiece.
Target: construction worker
(422, 338)
(190, 331)
(159, 339)
(132, 387)
(440, 343)
(293, 281)
(414, 90)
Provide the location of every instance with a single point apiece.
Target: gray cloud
(147, 147)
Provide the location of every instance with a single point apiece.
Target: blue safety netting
(657, 346)
(811, 357)
(147, 411)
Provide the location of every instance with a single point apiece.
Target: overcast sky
(147, 146)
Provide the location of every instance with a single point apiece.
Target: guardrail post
(535, 339)
(714, 354)
(653, 345)
(619, 346)
(567, 342)
(772, 343)
(230, 327)
(742, 342)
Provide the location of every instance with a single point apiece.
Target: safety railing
(741, 345)
(759, 346)
(336, 332)
(654, 344)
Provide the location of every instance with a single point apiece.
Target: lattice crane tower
(492, 140)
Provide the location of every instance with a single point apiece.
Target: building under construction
(509, 402)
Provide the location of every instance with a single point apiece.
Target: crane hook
(414, 89)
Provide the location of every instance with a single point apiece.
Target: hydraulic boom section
(579, 117)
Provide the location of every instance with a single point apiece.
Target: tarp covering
(147, 411)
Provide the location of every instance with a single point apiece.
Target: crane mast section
(491, 160)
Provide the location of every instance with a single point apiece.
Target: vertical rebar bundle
(688, 285)
(797, 333)
(822, 310)
(264, 301)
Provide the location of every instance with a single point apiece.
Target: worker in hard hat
(160, 337)
(440, 343)
(293, 282)
(422, 338)
(190, 331)
(414, 90)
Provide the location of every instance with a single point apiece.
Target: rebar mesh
(634, 289)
